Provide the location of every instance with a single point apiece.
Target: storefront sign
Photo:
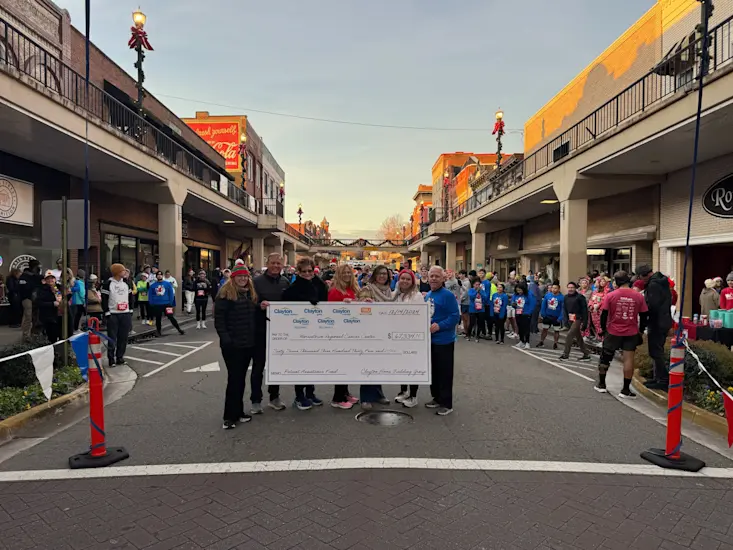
(222, 136)
(718, 200)
(21, 262)
(16, 201)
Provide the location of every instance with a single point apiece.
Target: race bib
(169, 311)
(497, 308)
(571, 316)
(519, 311)
(122, 307)
(200, 293)
(478, 304)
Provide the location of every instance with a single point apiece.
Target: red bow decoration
(141, 36)
(498, 127)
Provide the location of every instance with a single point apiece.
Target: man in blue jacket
(444, 317)
(552, 313)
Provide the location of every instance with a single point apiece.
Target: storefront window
(16, 252)
(128, 253)
(621, 260)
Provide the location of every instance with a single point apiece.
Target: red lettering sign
(223, 137)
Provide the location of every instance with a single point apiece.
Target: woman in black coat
(307, 287)
(234, 320)
(47, 301)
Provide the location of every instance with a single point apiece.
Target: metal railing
(273, 207)
(298, 235)
(362, 243)
(646, 92)
(26, 56)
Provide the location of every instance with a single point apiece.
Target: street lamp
(404, 232)
(282, 190)
(446, 192)
(139, 42)
(499, 132)
(422, 215)
(300, 218)
(412, 224)
(243, 158)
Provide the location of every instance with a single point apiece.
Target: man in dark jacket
(269, 287)
(658, 296)
(30, 281)
(307, 287)
(576, 315)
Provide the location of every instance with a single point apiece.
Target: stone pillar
(424, 259)
(573, 240)
(478, 248)
(258, 252)
(450, 256)
(170, 242)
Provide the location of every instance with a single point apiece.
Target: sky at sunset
(424, 63)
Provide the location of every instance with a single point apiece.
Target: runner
(499, 303)
(624, 315)
(202, 291)
(576, 315)
(524, 305)
(551, 314)
(478, 302)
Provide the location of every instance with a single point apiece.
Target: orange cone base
(86, 460)
(684, 462)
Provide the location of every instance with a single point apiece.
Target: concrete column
(450, 256)
(478, 250)
(573, 240)
(424, 258)
(258, 252)
(440, 258)
(170, 241)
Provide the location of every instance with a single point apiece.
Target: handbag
(169, 311)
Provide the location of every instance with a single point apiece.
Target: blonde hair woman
(344, 289)
(234, 320)
(408, 291)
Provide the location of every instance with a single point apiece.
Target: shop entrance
(708, 262)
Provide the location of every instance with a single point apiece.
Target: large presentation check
(348, 343)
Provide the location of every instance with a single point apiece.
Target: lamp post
(139, 42)
(422, 215)
(300, 218)
(282, 190)
(243, 158)
(499, 132)
(446, 192)
(412, 224)
(404, 232)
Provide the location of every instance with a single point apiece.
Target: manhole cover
(384, 418)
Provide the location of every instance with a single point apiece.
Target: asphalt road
(508, 405)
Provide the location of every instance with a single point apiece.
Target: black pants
(52, 330)
(441, 366)
(413, 389)
(655, 340)
(237, 361)
(119, 326)
(534, 321)
(200, 310)
(523, 325)
(477, 321)
(145, 313)
(159, 312)
(308, 391)
(79, 312)
(499, 328)
(259, 357)
(340, 393)
(16, 311)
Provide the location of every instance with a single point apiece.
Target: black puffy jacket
(303, 290)
(234, 321)
(658, 297)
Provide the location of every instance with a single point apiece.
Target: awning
(680, 59)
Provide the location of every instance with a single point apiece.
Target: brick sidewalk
(371, 509)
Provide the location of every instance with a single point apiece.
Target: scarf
(381, 293)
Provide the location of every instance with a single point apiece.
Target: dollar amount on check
(348, 343)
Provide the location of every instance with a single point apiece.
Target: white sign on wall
(348, 343)
(16, 201)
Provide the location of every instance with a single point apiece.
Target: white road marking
(154, 350)
(363, 464)
(547, 354)
(179, 358)
(181, 346)
(211, 367)
(144, 360)
(566, 369)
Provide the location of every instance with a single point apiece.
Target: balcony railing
(675, 73)
(24, 55)
(273, 207)
(362, 243)
(298, 235)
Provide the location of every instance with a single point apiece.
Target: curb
(691, 413)
(10, 426)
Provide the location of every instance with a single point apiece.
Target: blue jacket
(552, 306)
(161, 294)
(472, 293)
(524, 303)
(78, 293)
(444, 311)
(500, 300)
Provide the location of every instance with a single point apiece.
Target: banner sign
(348, 343)
(222, 136)
(16, 201)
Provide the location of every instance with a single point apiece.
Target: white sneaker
(203, 324)
(198, 324)
(401, 397)
(410, 402)
(527, 346)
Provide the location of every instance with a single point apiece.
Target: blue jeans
(370, 393)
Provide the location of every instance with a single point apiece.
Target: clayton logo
(718, 200)
(314, 311)
(301, 322)
(342, 311)
(283, 311)
(326, 322)
(352, 321)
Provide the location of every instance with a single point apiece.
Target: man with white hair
(444, 317)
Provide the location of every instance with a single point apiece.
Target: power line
(336, 121)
